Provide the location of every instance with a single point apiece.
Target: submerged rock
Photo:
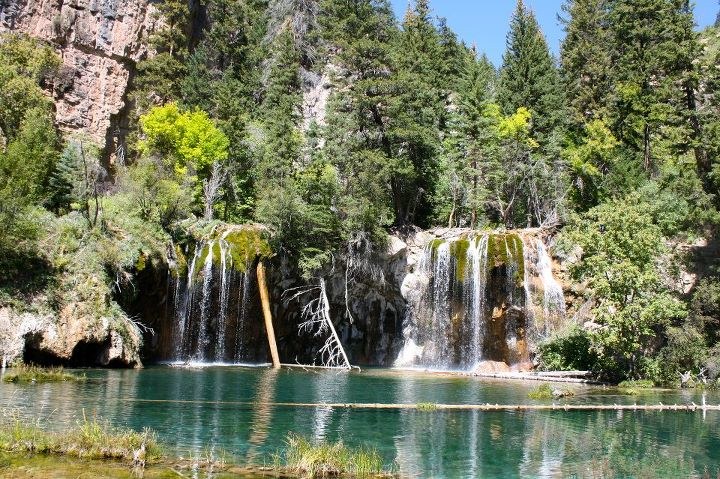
(491, 367)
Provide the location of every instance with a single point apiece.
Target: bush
(567, 351)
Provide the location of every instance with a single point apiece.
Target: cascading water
(477, 302)
(553, 298)
(207, 329)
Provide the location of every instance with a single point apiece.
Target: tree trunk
(265, 299)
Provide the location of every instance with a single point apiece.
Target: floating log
(547, 377)
(267, 314)
(455, 407)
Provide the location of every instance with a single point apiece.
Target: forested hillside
(333, 123)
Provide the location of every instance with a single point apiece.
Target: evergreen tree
(415, 112)
(585, 60)
(653, 50)
(358, 143)
(159, 77)
(470, 146)
(529, 80)
(66, 179)
(280, 112)
(528, 77)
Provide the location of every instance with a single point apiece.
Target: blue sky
(485, 22)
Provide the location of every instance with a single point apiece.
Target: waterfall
(205, 304)
(553, 298)
(477, 258)
(206, 327)
(477, 302)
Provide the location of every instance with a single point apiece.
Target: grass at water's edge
(23, 373)
(90, 439)
(93, 440)
(313, 460)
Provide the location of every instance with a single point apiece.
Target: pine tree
(415, 112)
(66, 180)
(280, 112)
(469, 146)
(653, 50)
(585, 60)
(159, 77)
(528, 77)
(530, 83)
(359, 35)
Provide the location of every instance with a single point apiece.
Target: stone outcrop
(66, 339)
(99, 42)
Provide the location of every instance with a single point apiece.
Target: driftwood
(547, 377)
(459, 407)
(267, 314)
(316, 314)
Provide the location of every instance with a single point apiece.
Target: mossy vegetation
(458, 251)
(426, 406)
(22, 373)
(247, 244)
(325, 459)
(241, 245)
(634, 387)
(181, 264)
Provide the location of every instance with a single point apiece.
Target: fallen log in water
(548, 376)
(456, 407)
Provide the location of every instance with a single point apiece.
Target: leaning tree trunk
(267, 314)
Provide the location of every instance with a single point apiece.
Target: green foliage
(22, 373)
(90, 439)
(569, 350)
(620, 244)
(590, 160)
(585, 61)
(652, 50)
(528, 77)
(188, 141)
(544, 391)
(25, 65)
(328, 459)
(28, 150)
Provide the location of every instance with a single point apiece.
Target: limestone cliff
(66, 338)
(99, 42)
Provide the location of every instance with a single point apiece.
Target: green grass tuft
(544, 391)
(88, 440)
(328, 459)
(24, 373)
(426, 406)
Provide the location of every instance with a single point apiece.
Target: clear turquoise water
(196, 412)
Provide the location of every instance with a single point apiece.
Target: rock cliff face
(66, 338)
(99, 42)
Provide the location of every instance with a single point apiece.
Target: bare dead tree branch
(211, 188)
(316, 315)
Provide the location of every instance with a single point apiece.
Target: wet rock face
(99, 42)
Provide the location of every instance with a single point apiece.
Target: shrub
(566, 351)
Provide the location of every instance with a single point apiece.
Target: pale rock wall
(99, 42)
(65, 338)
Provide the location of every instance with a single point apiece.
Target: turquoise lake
(201, 411)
